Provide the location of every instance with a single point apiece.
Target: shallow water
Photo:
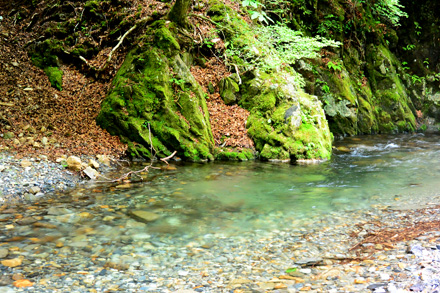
(230, 198)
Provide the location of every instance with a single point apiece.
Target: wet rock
(91, 173)
(344, 149)
(143, 216)
(309, 261)
(4, 252)
(12, 263)
(58, 211)
(34, 189)
(26, 221)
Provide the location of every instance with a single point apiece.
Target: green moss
(229, 154)
(55, 76)
(163, 37)
(45, 53)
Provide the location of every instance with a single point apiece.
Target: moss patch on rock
(230, 154)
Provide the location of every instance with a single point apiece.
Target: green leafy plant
(426, 62)
(179, 82)
(291, 270)
(390, 10)
(329, 26)
(416, 79)
(335, 66)
(257, 14)
(324, 86)
(409, 47)
(418, 28)
(277, 46)
(404, 65)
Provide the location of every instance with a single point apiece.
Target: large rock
(156, 100)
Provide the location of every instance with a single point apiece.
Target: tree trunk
(179, 12)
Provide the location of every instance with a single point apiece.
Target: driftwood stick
(116, 47)
(169, 157)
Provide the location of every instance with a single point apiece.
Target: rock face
(155, 99)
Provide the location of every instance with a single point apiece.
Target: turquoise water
(233, 197)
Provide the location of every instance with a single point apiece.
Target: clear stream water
(233, 197)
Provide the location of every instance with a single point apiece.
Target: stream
(215, 208)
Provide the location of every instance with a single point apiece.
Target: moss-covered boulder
(156, 104)
(376, 100)
(284, 122)
(229, 90)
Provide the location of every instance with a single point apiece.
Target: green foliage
(278, 46)
(179, 82)
(390, 10)
(335, 66)
(416, 79)
(330, 26)
(404, 65)
(257, 14)
(409, 47)
(291, 270)
(418, 28)
(426, 63)
(324, 86)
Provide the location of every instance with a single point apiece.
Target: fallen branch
(169, 157)
(116, 47)
(125, 176)
(238, 73)
(6, 104)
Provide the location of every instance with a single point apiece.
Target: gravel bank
(31, 178)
